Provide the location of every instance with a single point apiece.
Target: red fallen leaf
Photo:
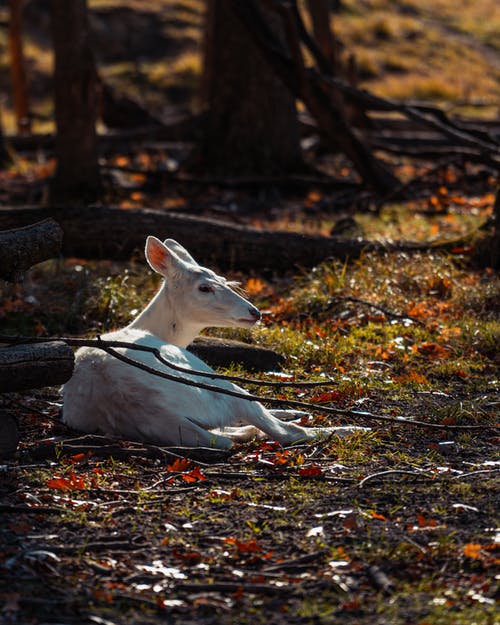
(73, 482)
(186, 555)
(79, 458)
(379, 517)
(423, 522)
(328, 396)
(282, 457)
(311, 470)
(350, 522)
(194, 476)
(248, 546)
(179, 465)
(351, 605)
(103, 595)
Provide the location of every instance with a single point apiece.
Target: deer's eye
(205, 288)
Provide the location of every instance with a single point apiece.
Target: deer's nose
(255, 313)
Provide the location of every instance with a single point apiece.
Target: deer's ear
(181, 251)
(160, 258)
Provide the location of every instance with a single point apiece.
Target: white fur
(118, 399)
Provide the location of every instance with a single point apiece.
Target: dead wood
(20, 248)
(289, 66)
(224, 352)
(104, 446)
(113, 233)
(35, 366)
(9, 435)
(179, 127)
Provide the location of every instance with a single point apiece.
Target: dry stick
(393, 472)
(441, 121)
(14, 340)
(466, 475)
(288, 402)
(385, 311)
(100, 344)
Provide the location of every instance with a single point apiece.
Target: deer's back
(116, 398)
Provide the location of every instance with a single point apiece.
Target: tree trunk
(18, 68)
(77, 175)
(252, 123)
(9, 435)
(34, 366)
(319, 11)
(24, 247)
(4, 155)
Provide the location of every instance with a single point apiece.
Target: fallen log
(102, 232)
(24, 367)
(224, 353)
(113, 233)
(9, 435)
(21, 248)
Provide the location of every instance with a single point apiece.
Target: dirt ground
(342, 531)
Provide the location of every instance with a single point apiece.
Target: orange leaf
(254, 286)
(379, 517)
(179, 465)
(194, 476)
(72, 483)
(472, 550)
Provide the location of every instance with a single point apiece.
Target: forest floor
(394, 526)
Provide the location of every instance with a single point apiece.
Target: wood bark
(34, 366)
(319, 11)
(9, 435)
(223, 353)
(323, 105)
(21, 248)
(104, 232)
(77, 174)
(4, 155)
(18, 73)
(251, 125)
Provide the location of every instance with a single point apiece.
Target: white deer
(109, 396)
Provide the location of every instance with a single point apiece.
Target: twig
(467, 475)
(6, 509)
(256, 589)
(272, 401)
(99, 342)
(387, 312)
(383, 474)
(105, 446)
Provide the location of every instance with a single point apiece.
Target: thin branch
(464, 476)
(382, 309)
(272, 401)
(383, 474)
(18, 340)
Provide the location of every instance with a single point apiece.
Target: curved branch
(272, 401)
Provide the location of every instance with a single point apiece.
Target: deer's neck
(162, 318)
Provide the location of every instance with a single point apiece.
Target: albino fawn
(115, 398)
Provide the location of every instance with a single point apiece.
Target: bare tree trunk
(77, 175)
(319, 11)
(4, 155)
(18, 68)
(252, 123)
